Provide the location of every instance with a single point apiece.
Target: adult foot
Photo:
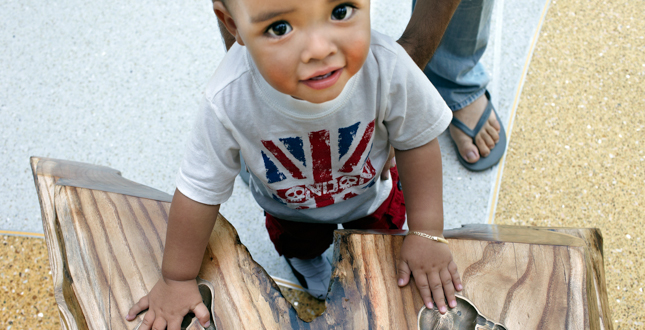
(487, 137)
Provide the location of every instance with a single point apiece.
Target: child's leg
(299, 239)
(303, 244)
(390, 215)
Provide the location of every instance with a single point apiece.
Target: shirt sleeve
(212, 160)
(416, 112)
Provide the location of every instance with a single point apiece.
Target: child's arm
(189, 227)
(430, 262)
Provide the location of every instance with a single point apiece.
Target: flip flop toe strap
(482, 120)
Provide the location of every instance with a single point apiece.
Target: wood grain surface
(105, 250)
(71, 315)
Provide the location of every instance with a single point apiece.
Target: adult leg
(461, 79)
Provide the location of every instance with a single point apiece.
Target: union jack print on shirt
(319, 183)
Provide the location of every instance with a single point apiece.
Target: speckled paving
(576, 157)
(26, 288)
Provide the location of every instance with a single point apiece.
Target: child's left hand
(434, 271)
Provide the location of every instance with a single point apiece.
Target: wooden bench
(105, 237)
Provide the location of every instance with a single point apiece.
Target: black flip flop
(496, 153)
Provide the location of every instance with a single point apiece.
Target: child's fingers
(448, 288)
(141, 305)
(175, 324)
(421, 279)
(148, 320)
(454, 273)
(385, 173)
(160, 324)
(202, 314)
(404, 273)
(437, 292)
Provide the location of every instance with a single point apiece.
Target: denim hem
(470, 99)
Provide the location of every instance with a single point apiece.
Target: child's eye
(278, 29)
(342, 12)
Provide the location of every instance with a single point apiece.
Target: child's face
(304, 48)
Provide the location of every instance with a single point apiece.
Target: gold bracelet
(434, 238)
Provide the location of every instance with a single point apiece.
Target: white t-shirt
(310, 162)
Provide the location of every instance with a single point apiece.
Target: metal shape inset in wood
(463, 317)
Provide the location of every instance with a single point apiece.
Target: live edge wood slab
(105, 236)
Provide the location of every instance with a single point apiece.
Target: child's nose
(318, 46)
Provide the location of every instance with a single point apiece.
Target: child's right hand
(167, 303)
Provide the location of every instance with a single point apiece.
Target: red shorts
(308, 240)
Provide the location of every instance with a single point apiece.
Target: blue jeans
(455, 69)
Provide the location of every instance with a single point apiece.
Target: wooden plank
(106, 250)
(71, 316)
(82, 175)
(593, 240)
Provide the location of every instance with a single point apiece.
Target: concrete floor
(102, 84)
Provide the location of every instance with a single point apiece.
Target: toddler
(313, 100)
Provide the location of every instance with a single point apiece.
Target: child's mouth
(323, 76)
(323, 81)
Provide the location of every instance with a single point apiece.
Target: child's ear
(226, 18)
